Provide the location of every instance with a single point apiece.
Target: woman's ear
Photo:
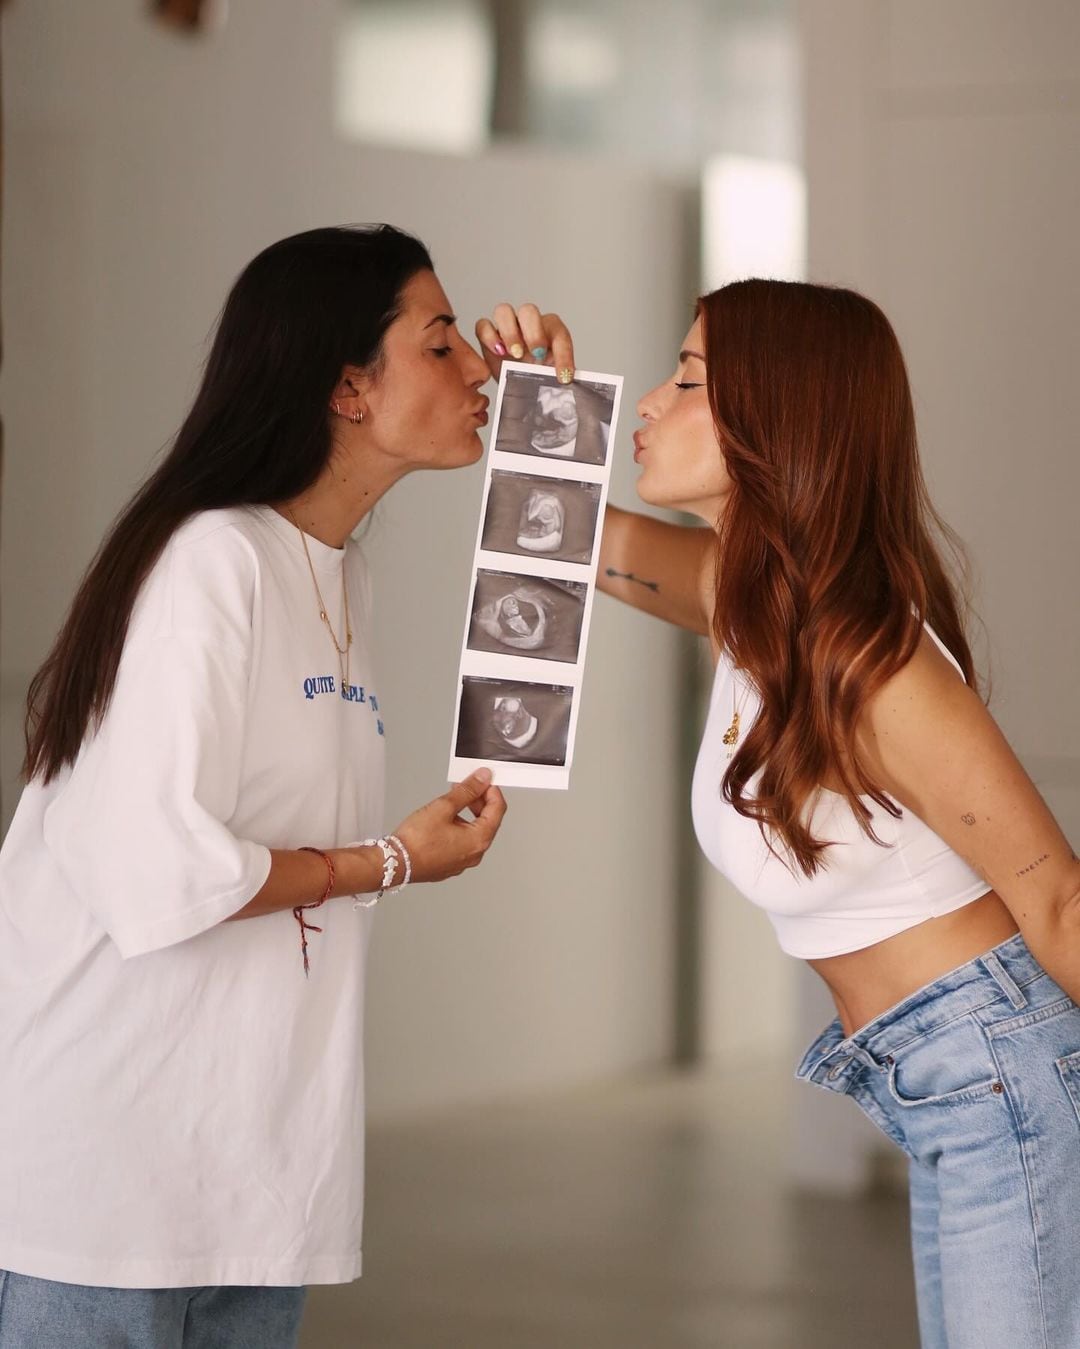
(348, 397)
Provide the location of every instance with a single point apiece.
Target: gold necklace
(731, 735)
(342, 651)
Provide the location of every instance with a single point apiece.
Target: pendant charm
(731, 735)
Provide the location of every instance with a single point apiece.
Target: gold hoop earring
(357, 417)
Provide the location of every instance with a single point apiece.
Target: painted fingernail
(566, 375)
(500, 350)
(517, 351)
(539, 353)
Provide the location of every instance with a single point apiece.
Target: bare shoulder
(931, 743)
(925, 726)
(928, 684)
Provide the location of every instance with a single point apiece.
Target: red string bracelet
(298, 911)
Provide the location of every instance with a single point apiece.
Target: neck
(343, 494)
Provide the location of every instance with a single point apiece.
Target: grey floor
(650, 1215)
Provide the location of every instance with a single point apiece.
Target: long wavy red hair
(829, 552)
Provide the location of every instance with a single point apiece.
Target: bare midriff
(868, 982)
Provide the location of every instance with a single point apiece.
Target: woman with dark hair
(181, 1140)
(852, 783)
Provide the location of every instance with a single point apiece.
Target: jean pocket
(1069, 1070)
(978, 1091)
(953, 1065)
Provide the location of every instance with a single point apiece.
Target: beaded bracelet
(298, 910)
(393, 851)
(390, 861)
(406, 860)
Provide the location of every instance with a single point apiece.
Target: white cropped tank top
(864, 893)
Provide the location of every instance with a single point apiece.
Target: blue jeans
(42, 1314)
(977, 1078)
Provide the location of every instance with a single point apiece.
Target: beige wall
(142, 170)
(943, 170)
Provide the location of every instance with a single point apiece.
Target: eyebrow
(686, 355)
(448, 319)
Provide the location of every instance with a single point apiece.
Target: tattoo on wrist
(1032, 865)
(629, 576)
(968, 818)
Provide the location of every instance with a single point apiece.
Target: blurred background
(582, 1127)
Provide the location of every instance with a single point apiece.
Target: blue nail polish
(539, 353)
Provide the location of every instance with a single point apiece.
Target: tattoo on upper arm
(968, 818)
(1032, 865)
(629, 576)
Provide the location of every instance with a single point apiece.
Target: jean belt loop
(864, 1057)
(997, 971)
(845, 1053)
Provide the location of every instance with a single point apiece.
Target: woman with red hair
(852, 782)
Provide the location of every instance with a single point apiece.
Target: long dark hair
(258, 432)
(830, 554)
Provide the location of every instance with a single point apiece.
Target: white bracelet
(390, 861)
(406, 860)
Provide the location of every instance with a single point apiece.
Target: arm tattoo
(629, 576)
(1032, 865)
(968, 818)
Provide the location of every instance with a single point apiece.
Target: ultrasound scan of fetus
(542, 522)
(515, 721)
(549, 517)
(540, 416)
(539, 618)
(554, 422)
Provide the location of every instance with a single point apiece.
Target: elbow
(1067, 911)
(1058, 931)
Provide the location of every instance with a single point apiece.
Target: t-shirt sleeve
(140, 828)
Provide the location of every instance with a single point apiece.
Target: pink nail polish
(500, 350)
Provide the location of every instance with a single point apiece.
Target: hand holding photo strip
(534, 576)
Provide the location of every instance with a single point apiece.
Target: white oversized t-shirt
(178, 1104)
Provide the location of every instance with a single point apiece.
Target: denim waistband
(998, 976)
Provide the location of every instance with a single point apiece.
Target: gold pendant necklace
(731, 735)
(342, 651)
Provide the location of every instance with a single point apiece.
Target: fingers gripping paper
(534, 576)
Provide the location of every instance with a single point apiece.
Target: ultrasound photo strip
(534, 576)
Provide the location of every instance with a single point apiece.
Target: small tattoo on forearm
(1031, 867)
(629, 576)
(968, 818)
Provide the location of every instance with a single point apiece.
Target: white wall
(942, 168)
(142, 170)
(753, 224)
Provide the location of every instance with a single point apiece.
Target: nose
(648, 405)
(474, 369)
